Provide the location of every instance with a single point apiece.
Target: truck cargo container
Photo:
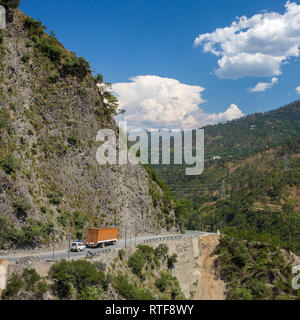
(101, 237)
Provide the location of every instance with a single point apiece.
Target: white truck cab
(77, 246)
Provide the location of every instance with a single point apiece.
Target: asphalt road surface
(64, 254)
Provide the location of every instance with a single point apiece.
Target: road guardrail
(163, 238)
(90, 254)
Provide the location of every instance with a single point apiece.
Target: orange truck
(101, 237)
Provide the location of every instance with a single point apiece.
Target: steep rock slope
(195, 269)
(50, 113)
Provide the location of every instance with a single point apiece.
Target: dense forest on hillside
(241, 137)
(253, 185)
(254, 270)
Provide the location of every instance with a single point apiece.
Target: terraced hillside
(251, 178)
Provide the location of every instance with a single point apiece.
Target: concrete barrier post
(3, 274)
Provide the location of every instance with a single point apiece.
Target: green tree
(136, 262)
(9, 164)
(172, 261)
(15, 284)
(241, 294)
(72, 277)
(21, 206)
(31, 278)
(90, 293)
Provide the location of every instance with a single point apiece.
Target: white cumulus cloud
(263, 86)
(298, 90)
(154, 102)
(233, 112)
(256, 46)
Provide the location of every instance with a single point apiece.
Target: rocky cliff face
(195, 269)
(50, 113)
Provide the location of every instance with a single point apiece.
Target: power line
(196, 187)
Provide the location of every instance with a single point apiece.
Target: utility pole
(69, 251)
(201, 222)
(131, 229)
(53, 239)
(223, 192)
(286, 162)
(125, 236)
(291, 230)
(135, 233)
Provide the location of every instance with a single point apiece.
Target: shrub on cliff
(15, 284)
(74, 277)
(21, 206)
(172, 260)
(10, 3)
(136, 262)
(167, 283)
(30, 282)
(129, 291)
(50, 49)
(75, 66)
(34, 27)
(90, 293)
(240, 294)
(55, 197)
(99, 78)
(9, 164)
(161, 252)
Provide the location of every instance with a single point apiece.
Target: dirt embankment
(210, 286)
(195, 271)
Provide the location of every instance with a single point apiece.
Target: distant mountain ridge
(254, 132)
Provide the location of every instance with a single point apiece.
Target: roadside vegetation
(31, 234)
(144, 275)
(26, 286)
(147, 275)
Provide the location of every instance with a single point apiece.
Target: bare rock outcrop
(195, 270)
(49, 123)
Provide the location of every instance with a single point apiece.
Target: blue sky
(129, 38)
